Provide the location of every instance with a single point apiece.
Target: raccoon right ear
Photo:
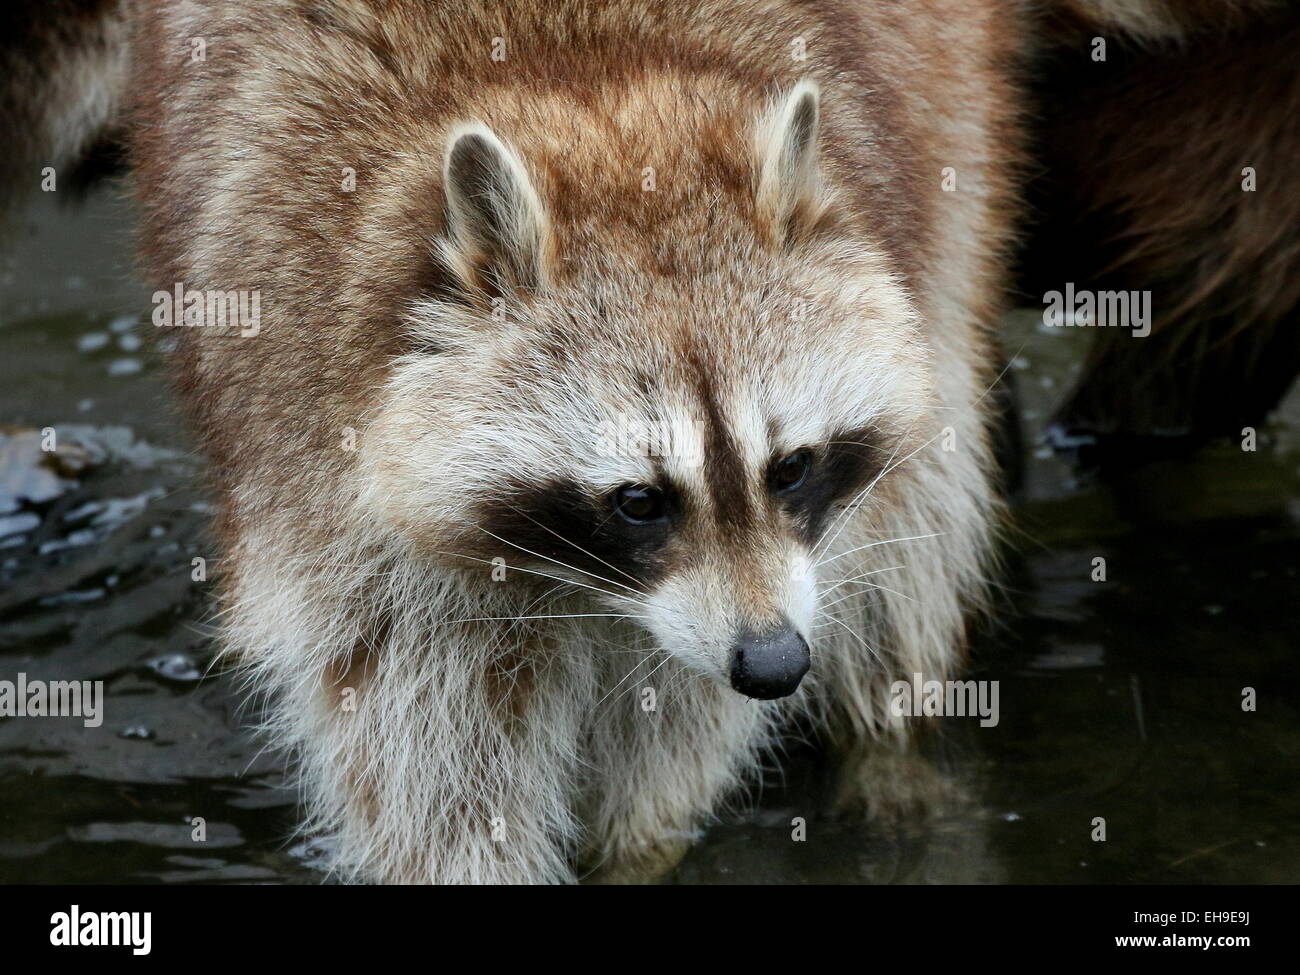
(789, 194)
(499, 232)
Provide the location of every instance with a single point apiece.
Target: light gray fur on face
(562, 377)
(521, 395)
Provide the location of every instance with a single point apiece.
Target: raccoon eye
(639, 504)
(790, 471)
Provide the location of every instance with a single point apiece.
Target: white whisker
(887, 541)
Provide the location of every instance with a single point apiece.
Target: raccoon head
(673, 416)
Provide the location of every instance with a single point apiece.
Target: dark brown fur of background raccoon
(1141, 163)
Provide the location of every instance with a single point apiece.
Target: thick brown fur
(239, 162)
(1145, 158)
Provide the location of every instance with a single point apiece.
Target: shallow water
(1119, 699)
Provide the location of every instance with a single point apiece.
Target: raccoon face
(711, 548)
(680, 450)
(734, 591)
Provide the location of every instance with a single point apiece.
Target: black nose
(769, 665)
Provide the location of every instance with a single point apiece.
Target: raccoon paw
(893, 787)
(641, 862)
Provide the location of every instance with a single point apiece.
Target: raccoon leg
(427, 753)
(661, 763)
(446, 777)
(1168, 170)
(919, 570)
(631, 860)
(890, 781)
(878, 771)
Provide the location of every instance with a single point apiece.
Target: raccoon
(1166, 167)
(621, 393)
(505, 645)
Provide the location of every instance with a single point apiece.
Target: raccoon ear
(499, 232)
(789, 193)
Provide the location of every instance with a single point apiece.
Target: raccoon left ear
(499, 231)
(789, 195)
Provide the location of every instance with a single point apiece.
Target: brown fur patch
(1145, 159)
